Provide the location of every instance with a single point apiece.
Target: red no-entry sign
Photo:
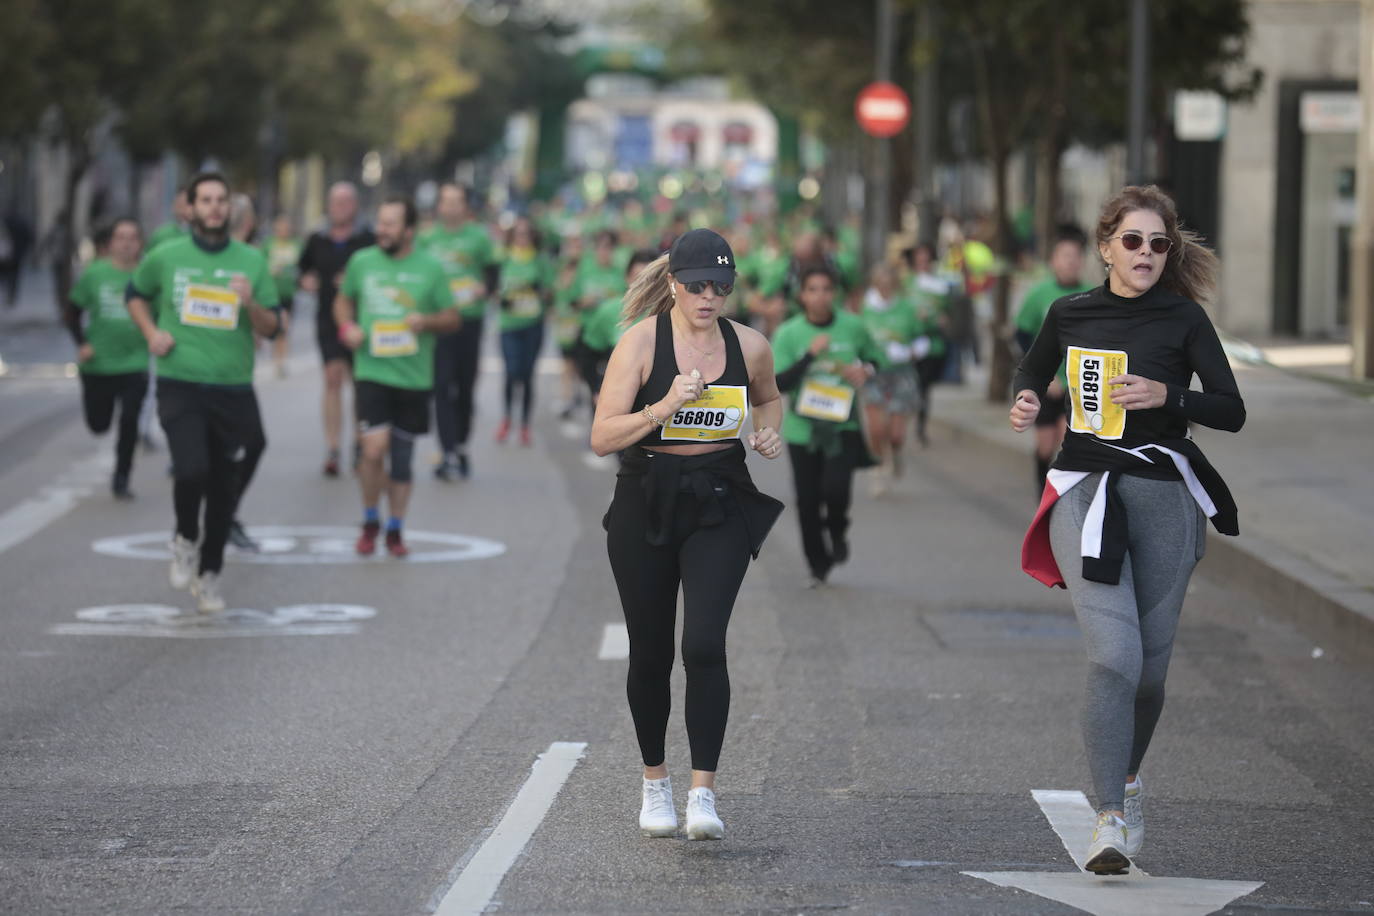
(882, 109)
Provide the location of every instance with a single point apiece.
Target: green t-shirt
(526, 280)
(603, 330)
(165, 233)
(118, 343)
(893, 327)
(464, 254)
(1031, 315)
(188, 287)
(283, 260)
(384, 290)
(594, 284)
(766, 270)
(849, 342)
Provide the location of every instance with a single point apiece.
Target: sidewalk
(31, 332)
(1302, 473)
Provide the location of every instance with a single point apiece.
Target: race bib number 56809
(1093, 410)
(718, 414)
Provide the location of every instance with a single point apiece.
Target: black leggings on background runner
(710, 563)
(824, 487)
(457, 357)
(99, 396)
(209, 429)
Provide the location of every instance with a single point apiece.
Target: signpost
(882, 109)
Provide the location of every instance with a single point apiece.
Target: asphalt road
(348, 738)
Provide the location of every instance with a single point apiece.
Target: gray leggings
(1129, 627)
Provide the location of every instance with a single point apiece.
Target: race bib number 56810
(1093, 410)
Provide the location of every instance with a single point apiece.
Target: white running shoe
(1107, 854)
(657, 816)
(205, 588)
(1134, 816)
(184, 557)
(702, 822)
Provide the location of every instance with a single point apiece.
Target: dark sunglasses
(697, 287)
(1159, 244)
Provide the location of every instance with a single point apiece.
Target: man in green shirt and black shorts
(112, 355)
(393, 301)
(1066, 267)
(461, 245)
(198, 301)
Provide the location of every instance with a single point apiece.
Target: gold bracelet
(648, 414)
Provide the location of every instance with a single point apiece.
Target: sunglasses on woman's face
(1159, 244)
(697, 287)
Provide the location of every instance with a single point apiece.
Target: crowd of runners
(688, 336)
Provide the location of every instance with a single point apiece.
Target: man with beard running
(393, 301)
(198, 301)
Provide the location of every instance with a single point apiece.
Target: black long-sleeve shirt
(1166, 337)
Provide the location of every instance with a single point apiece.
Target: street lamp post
(880, 184)
(1139, 91)
(1362, 239)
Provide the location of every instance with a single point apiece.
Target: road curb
(1248, 562)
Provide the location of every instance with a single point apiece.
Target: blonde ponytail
(649, 294)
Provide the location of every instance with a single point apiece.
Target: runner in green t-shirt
(567, 323)
(112, 355)
(821, 358)
(930, 295)
(199, 301)
(462, 245)
(393, 301)
(283, 253)
(891, 396)
(526, 291)
(605, 325)
(1066, 267)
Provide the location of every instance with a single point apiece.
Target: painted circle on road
(290, 545)
(166, 621)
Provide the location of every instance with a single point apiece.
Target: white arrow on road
(1134, 894)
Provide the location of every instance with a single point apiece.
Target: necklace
(703, 354)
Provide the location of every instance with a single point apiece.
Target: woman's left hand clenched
(1134, 392)
(766, 442)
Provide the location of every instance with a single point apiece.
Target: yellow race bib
(210, 307)
(717, 415)
(525, 305)
(393, 338)
(825, 402)
(1092, 409)
(465, 290)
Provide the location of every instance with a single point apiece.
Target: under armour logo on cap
(701, 254)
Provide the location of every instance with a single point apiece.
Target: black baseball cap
(701, 255)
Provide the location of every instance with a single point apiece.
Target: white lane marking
(615, 642)
(1071, 817)
(313, 545)
(34, 514)
(1136, 894)
(482, 876)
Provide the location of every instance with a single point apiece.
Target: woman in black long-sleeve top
(1123, 520)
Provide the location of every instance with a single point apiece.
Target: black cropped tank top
(705, 423)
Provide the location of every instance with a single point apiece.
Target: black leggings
(210, 431)
(710, 564)
(824, 487)
(99, 395)
(457, 357)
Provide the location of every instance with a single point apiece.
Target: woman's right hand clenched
(1025, 410)
(684, 388)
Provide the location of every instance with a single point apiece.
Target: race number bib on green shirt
(825, 402)
(466, 290)
(393, 338)
(1093, 410)
(210, 307)
(718, 414)
(525, 304)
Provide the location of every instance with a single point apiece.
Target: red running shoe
(395, 546)
(367, 541)
(525, 439)
(503, 431)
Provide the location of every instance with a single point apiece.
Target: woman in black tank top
(680, 396)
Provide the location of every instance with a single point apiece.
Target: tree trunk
(999, 362)
(64, 249)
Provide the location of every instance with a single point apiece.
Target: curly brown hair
(1191, 267)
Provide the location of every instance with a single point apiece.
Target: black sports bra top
(711, 418)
